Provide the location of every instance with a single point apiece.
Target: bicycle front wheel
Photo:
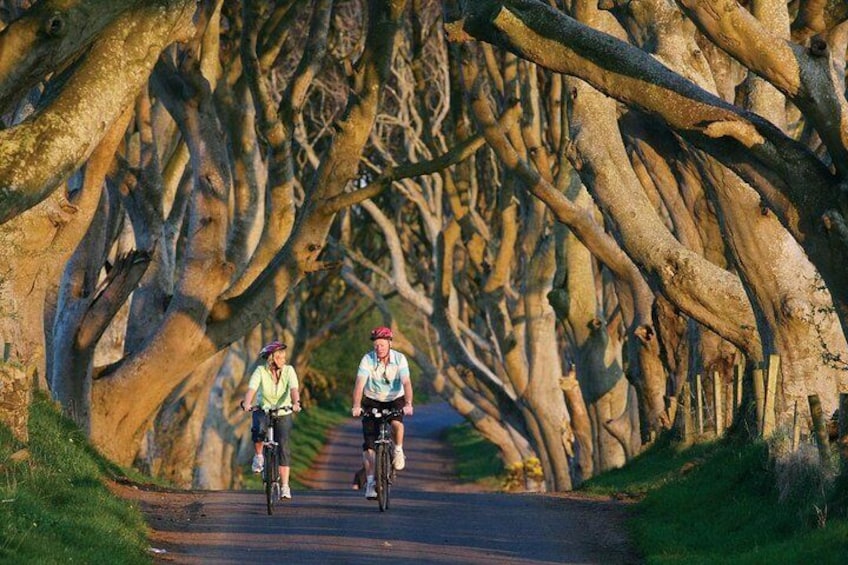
(384, 468)
(268, 475)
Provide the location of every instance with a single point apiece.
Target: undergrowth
(477, 460)
(729, 502)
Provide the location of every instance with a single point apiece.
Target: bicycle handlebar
(377, 413)
(272, 411)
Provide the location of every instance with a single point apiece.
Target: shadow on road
(431, 519)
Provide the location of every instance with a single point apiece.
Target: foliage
(525, 475)
(318, 388)
(63, 472)
(477, 460)
(339, 357)
(720, 503)
(804, 482)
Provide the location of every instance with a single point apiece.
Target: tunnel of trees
(574, 214)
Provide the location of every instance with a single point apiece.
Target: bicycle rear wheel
(384, 468)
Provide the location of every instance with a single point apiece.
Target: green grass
(719, 503)
(477, 460)
(308, 435)
(55, 507)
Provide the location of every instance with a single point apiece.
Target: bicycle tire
(268, 476)
(383, 469)
(276, 485)
(389, 463)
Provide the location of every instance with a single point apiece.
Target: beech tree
(211, 303)
(584, 204)
(665, 72)
(44, 216)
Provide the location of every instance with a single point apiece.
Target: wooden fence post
(819, 427)
(759, 396)
(771, 389)
(671, 408)
(16, 398)
(699, 404)
(796, 429)
(843, 429)
(738, 376)
(718, 400)
(686, 406)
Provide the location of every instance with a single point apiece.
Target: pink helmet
(271, 348)
(381, 332)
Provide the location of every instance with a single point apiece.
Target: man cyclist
(274, 385)
(382, 381)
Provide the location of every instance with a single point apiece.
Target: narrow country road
(432, 518)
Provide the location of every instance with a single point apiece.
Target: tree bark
(109, 78)
(169, 355)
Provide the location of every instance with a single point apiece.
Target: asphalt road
(432, 518)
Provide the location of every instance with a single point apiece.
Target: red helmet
(271, 348)
(381, 333)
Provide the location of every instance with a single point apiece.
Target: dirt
(433, 518)
(169, 513)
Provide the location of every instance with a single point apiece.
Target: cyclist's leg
(282, 430)
(368, 459)
(257, 435)
(398, 434)
(370, 431)
(369, 434)
(397, 421)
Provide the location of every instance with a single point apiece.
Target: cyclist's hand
(407, 409)
(356, 412)
(296, 407)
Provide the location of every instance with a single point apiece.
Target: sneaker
(285, 492)
(258, 463)
(400, 459)
(371, 491)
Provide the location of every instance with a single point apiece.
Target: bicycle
(384, 448)
(271, 470)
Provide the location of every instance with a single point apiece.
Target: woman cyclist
(273, 385)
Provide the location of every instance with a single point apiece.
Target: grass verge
(477, 460)
(720, 503)
(55, 507)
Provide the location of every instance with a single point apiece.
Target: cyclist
(382, 381)
(274, 385)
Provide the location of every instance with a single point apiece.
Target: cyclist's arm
(252, 387)
(406, 382)
(407, 394)
(248, 398)
(295, 389)
(295, 398)
(358, 389)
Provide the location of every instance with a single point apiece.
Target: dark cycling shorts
(370, 427)
(282, 427)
